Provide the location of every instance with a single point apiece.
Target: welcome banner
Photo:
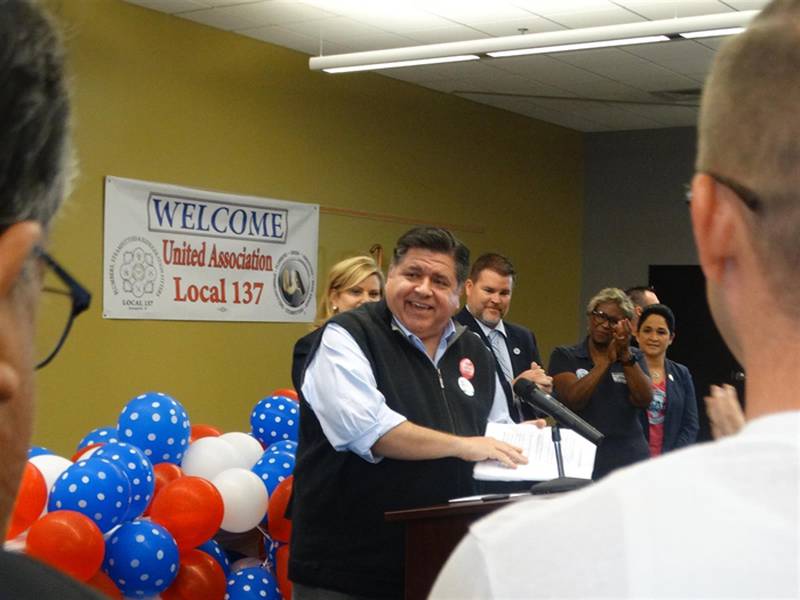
(179, 253)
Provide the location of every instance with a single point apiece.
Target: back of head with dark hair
(659, 309)
(494, 262)
(34, 116)
(434, 239)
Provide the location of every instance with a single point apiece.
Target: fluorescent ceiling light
(533, 43)
(711, 33)
(580, 46)
(403, 63)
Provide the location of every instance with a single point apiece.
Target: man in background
(488, 297)
(717, 520)
(34, 178)
(642, 296)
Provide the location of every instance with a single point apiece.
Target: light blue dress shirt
(340, 387)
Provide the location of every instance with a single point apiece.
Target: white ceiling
(567, 89)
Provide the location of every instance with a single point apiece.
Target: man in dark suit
(488, 297)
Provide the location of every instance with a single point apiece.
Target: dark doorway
(698, 344)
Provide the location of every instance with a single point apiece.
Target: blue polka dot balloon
(158, 425)
(284, 446)
(274, 419)
(252, 583)
(272, 468)
(141, 558)
(100, 435)
(38, 451)
(94, 487)
(138, 469)
(212, 548)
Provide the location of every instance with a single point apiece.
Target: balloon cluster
(135, 512)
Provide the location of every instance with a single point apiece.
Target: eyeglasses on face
(63, 299)
(750, 198)
(600, 317)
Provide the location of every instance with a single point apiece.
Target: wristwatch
(630, 362)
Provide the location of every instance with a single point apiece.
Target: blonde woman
(351, 283)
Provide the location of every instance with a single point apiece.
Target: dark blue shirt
(609, 408)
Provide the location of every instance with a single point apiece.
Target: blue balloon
(252, 583)
(284, 446)
(157, 424)
(100, 435)
(275, 419)
(94, 487)
(141, 558)
(273, 467)
(138, 469)
(212, 548)
(38, 451)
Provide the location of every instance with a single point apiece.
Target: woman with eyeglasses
(351, 283)
(602, 380)
(670, 421)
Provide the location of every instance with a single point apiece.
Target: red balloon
(280, 528)
(200, 577)
(201, 431)
(69, 541)
(282, 571)
(103, 583)
(287, 392)
(84, 450)
(30, 502)
(164, 473)
(190, 508)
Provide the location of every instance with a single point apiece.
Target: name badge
(619, 377)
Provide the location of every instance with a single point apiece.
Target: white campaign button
(466, 386)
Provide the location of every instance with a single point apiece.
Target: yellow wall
(164, 99)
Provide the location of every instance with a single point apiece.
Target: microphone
(530, 393)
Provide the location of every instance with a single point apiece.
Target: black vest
(340, 540)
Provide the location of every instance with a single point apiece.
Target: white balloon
(248, 447)
(208, 457)
(245, 499)
(51, 467)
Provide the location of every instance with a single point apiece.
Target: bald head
(749, 134)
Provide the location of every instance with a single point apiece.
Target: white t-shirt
(715, 520)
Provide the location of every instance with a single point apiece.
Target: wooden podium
(432, 534)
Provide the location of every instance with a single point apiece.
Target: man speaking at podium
(395, 402)
(717, 520)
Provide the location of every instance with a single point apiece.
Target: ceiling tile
(679, 56)
(546, 70)
(595, 18)
(747, 4)
(473, 12)
(672, 9)
(613, 63)
(377, 42)
(530, 24)
(548, 7)
(216, 17)
(396, 17)
(293, 40)
(452, 33)
(334, 29)
(274, 12)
